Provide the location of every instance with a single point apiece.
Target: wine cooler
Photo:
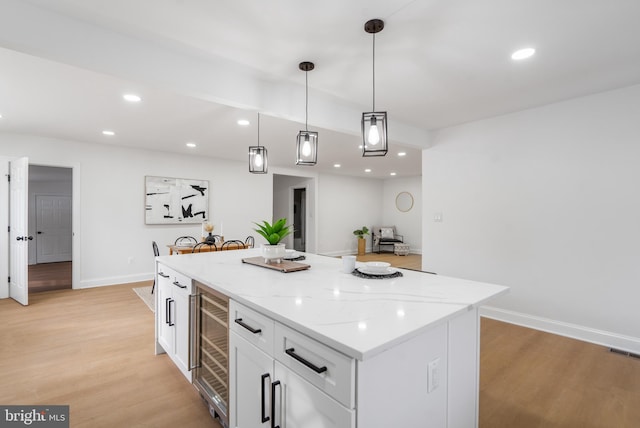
(209, 349)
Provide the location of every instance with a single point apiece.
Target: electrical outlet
(437, 217)
(433, 375)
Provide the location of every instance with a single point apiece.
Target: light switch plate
(433, 375)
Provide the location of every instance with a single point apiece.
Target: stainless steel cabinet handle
(265, 418)
(248, 327)
(291, 353)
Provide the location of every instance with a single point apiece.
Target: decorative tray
(391, 274)
(284, 266)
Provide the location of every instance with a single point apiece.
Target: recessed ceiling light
(132, 98)
(360, 146)
(0, 116)
(336, 165)
(243, 122)
(191, 145)
(367, 170)
(109, 133)
(393, 173)
(402, 153)
(523, 54)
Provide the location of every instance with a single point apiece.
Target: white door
(18, 235)
(53, 228)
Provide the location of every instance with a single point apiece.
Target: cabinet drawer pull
(248, 327)
(291, 352)
(179, 285)
(265, 418)
(273, 403)
(162, 274)
(166, 310)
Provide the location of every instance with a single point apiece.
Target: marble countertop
(356, 316)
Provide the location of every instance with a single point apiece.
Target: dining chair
(233, 244)
(249, 242)
(156, 253)
(199, 246)
(185, 241)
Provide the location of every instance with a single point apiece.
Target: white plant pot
(273, 252)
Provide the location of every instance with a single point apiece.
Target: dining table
(187, 249)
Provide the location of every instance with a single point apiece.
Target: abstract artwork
(175, 200)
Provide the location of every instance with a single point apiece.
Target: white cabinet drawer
(252, 326)
(322, 366)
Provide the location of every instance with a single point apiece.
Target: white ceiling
(65, 63)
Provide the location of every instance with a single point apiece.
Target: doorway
(50, 223)
(299, 219)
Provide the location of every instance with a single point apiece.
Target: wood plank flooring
(93, 349)
(532, 379)
(49, 276)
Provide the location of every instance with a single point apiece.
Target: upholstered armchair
(384, 235)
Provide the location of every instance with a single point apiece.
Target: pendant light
(374, 123)
(258, 156)
(307, 142)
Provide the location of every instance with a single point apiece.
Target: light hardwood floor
(49, 276)
(93, 349)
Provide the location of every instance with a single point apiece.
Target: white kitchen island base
(320, 348)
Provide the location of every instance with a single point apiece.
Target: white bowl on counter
(377, 267)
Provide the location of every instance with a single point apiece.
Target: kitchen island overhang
(358, 317)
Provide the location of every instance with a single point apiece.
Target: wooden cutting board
(285, 266)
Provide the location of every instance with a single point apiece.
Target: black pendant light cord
(258, 129)
(306, 101)
(374, 72)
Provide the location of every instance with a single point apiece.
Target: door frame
(76, 253)
(306, 214)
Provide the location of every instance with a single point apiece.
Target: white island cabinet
(321, 348)
(172, 316)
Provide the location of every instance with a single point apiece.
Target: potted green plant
(273, 233)
(360, 233)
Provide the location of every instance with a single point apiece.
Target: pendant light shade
(307, 141)
(374, 123)
(258, 156)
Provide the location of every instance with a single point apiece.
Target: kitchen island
(358, 352)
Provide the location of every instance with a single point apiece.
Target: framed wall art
(176, 200)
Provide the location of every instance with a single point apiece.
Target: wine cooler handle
(193, 331)
(273, 403)
(248, 327)
(265, 418)
(312, 366)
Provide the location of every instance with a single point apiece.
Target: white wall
(546, 202)
(408, 224)
(114, 241)
(344, 205)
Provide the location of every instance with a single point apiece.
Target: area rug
(145, 294)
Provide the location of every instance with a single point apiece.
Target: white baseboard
(114, 280)
(574, 331)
